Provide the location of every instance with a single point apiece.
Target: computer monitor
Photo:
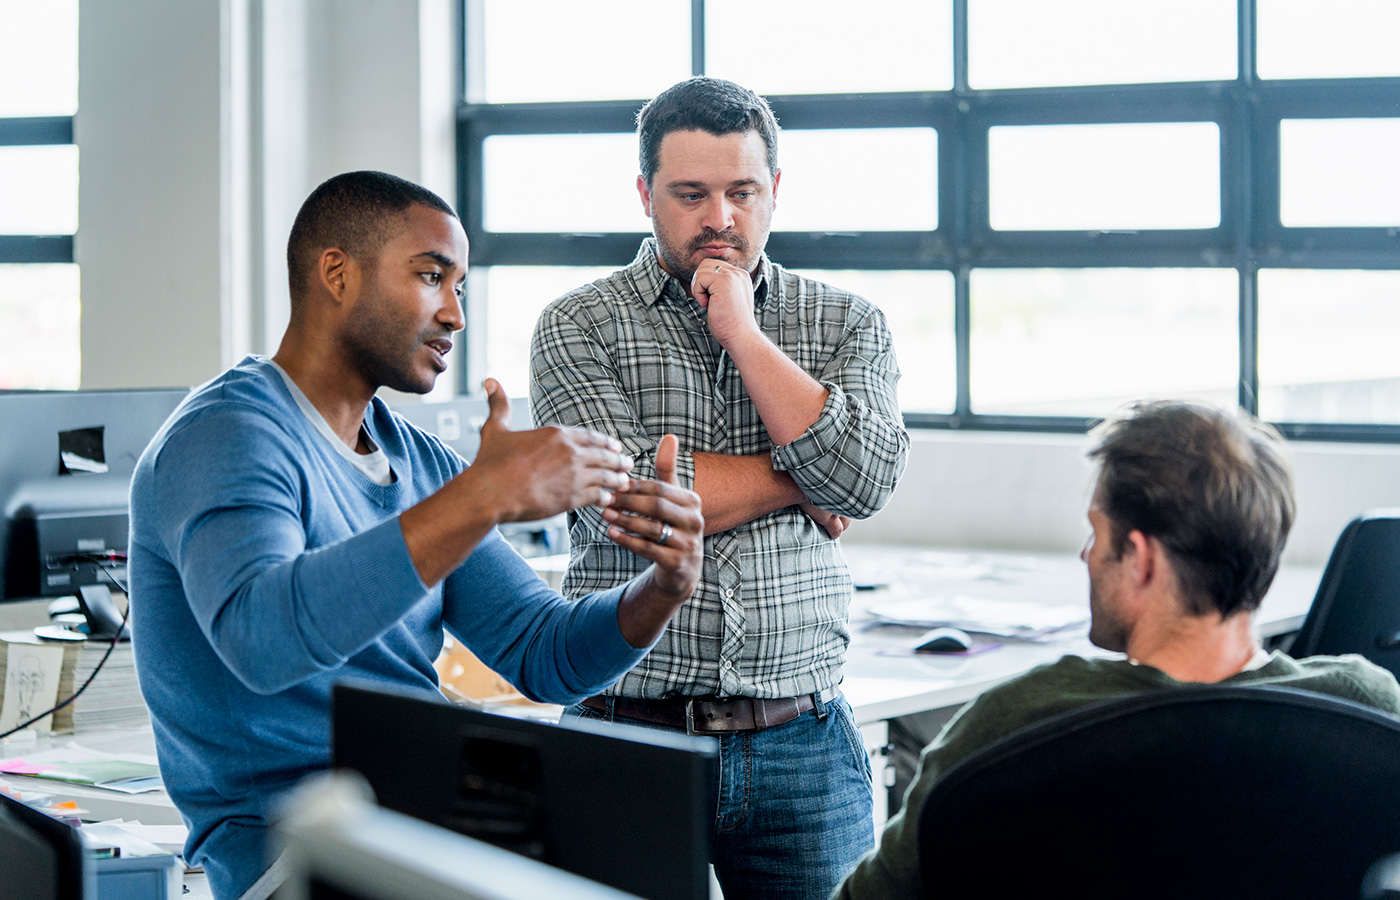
(66, 459)
(337, 845)
(626, 806)
(41, 857)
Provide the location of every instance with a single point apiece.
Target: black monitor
(629, 807)
(41, 857)
(66, 459)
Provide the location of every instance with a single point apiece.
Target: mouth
(440, 348)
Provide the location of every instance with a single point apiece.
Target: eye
(743, 195)
(433, 278)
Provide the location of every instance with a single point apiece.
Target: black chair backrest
(1357, 607)
(1193, 792)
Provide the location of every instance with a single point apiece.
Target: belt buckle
(690, 715)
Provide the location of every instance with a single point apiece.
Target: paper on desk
(128, 773)
(1004, 618)
(113, 835)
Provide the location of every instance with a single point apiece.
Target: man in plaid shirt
(782, 392)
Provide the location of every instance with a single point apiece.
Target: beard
(679, 259)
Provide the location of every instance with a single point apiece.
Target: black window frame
(28, 132)
(1249, 237)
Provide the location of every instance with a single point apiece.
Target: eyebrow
(742, 182)
(439, 258)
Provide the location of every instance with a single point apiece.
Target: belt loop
(818, 704)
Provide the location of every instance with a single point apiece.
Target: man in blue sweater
(289, 531)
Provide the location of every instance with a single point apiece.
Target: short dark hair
(356, 212)
(1213, 485)
(704, 104)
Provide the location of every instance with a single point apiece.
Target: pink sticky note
(20, 767)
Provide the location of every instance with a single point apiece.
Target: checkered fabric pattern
(630, 355)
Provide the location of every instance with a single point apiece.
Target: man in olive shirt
(1190, 513)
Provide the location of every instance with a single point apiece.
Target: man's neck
(338, 398)
(1203, 649)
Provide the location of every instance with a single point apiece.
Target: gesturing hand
(660, 521)
(541, 473)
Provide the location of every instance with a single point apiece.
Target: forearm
(738, 489)
(787, 398)
(441, 531)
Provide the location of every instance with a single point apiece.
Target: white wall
(1029, 492)
(204, 123)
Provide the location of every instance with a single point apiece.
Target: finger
(666, 459)
(498, 404)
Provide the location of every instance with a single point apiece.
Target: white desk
(882, 684)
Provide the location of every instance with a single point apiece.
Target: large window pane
(38, 58)
(39, 327)
(1335, 39)
(515, 295)
(563, 183)
(1339, 172)
(918, 307)
(557, 50)
(830, 47)
(39, 190)
(1083, 342)
(839, 180)
(1101, 177)
(1032, 43)
(1327, 344)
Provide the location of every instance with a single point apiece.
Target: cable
(103, 563)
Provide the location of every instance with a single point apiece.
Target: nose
(451, 313)
(719, 214)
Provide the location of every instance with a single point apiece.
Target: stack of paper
(113, 700)
(1004, 618)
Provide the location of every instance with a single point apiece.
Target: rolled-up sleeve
(849, 460)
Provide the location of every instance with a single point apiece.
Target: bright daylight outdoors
(1041, 339)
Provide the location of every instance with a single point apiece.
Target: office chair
(1203, 791)
(1357, 607)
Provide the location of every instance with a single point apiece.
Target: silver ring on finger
(665, 535)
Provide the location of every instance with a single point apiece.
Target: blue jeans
(795, 809)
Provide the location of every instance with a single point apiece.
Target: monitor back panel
(629, 807)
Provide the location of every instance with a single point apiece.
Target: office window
(1339, 172)
(1338, 39)
(1090, 177)
(38, 58)
(562, 183)
(918, 308)
(830, 47)
(1082, 342)
(1031, 43)
(39, 190)
(1060, 207)
(39, 309)
(39, 326)
(515, 297)
(839, 180)
(559, 50)
(1327, 344)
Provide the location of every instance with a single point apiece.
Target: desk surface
(884, 679)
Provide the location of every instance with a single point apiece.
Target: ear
(645, 193)
(337, 274)
(777, 176)
(1145, 557)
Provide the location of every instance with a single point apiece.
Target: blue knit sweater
(265, 567)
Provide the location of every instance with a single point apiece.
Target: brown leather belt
(707, 715)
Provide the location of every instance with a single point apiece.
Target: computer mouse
(945, 639)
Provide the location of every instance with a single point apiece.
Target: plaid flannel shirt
(630, 355)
